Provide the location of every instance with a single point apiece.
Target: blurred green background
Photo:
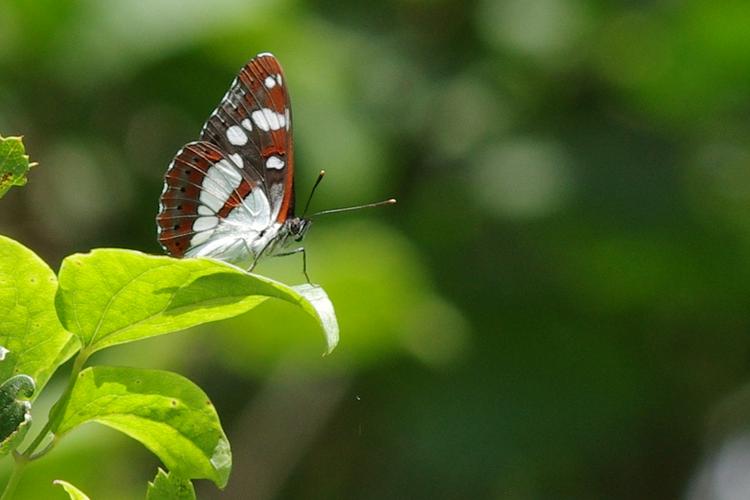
(558, 306)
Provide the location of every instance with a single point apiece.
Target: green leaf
(169, 486)
(166, 412)
(15, 412)
(14, 164)
(30, 330)
(112, 296)
(73, 492)
(318, 304)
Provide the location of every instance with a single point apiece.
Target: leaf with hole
(14, 163)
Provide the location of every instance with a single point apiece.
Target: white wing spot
(270, 82)
(267, 119)
(278, 78)
(276, 195)
(204, 210)
(253, 214)
(288, 118)
(236, 135)
(237, 159)
(200, 238)
(275, 162)
(211, 201)
(219, 183)
(205, 223)
(224, 176)
(259, 117)
(247, 124)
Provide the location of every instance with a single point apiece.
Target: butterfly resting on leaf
(230, 195)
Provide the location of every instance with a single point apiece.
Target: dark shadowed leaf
(15, 411)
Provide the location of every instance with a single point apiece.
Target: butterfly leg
(304, 260)
(255, 262)
(257, 257)
(252, 266)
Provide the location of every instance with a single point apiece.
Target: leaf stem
(15, 476)
(57, 410)
(55, 414)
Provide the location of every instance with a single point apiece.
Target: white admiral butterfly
(230, 195)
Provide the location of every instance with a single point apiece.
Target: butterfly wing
(227, 194)
(209, 204)
(254, 121)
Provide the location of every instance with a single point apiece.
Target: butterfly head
(298, 226)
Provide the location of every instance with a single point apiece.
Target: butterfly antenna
(312, 191)
(347, 209)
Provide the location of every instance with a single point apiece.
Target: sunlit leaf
(166, 412)
(14, 163)
(30, 330)
(112, 296)
(15, 411)
(379, 321)
(318, 304)
(169, 486)
(73, 492)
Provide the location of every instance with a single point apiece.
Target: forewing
(253, 121)
(204, 186)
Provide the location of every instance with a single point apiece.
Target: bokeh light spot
(525, 178)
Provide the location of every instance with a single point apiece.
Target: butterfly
(230, 195)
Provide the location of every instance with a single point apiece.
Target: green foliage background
(558, 306)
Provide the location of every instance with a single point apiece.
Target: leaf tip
(221, 460)
(332, 342)
(73, 492)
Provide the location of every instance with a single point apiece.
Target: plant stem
(58, 410)
(55, 414)
(59, 407)
(15, 476)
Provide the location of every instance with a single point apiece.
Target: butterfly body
(230, 195)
